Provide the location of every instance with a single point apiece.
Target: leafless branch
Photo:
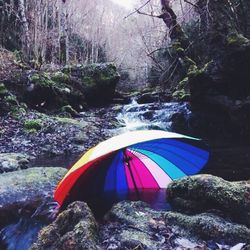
(146, 14)
(152, 52)
(194, 5)
(138, 9)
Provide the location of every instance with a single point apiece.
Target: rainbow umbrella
(130, 162)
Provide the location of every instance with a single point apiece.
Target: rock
(69, 110)
(148, 98)
(134, 225)
(204, 192)
(80, 138)
(210, 227)
(231, 162)
(13, 161)
(74, 229)
(25, 190)
(121, 98)
(98, 81)
(179, 122)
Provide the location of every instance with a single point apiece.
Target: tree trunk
(64, 47)
(180, 62)
(170, 19)
(25, 26)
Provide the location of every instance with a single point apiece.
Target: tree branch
(138, 9)
(146, 14)
(194, 5)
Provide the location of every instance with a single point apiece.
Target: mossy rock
(210, 227)
(74, 229)
(33, 124)
(26, 189)
(203, 192)
(99, 82)
(48, 91)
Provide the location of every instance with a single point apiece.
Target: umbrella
(148, 159)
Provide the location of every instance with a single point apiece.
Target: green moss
(60, 77)
(183, 83)
(181, 95)
(195, 71)
(35, 78)
(11, 99)
(181, 91)
(89, 81)
(176, 45)
(42, 79)
(18, 112)
(33, 124)
(236, 39)
(3, 90)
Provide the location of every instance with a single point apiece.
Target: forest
(124, 124)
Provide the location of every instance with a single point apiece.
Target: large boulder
(74, 229)
(205, 192)
(25, 190)
(97, 80)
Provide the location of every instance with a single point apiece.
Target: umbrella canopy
(132, 161)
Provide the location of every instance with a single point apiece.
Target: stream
(134, 116)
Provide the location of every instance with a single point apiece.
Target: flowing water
(21, 234)
(136, 116)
